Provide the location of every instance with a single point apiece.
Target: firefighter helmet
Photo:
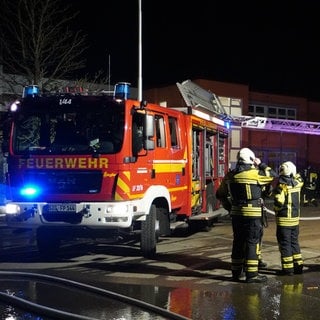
(287, 169)
(246, 156)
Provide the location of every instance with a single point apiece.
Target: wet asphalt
(190, 276)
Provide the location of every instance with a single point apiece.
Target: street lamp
(140, 53)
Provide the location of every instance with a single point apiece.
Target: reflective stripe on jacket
(287, 200)
(244, 186)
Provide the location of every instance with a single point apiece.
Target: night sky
(270, 47)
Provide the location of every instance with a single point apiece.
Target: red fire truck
(106, 166)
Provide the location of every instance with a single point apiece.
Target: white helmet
(246, 156)
(287, 169)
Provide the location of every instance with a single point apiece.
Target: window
(174, 133)
(137, 133)
(160, 131)
(272, 112)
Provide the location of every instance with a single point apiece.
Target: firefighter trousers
(246, 246)
(291, 258)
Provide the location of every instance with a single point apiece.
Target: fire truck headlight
(117, 213)
(30, 191)
(12, 209)
(118, 209)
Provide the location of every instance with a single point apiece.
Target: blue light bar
(30, 91)
(122, 90)
(30, 191)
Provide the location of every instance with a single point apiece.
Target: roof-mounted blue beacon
(122, 90)
(30, 91)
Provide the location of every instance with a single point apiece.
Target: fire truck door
(210, 172)
(203, 170)
(196, 168)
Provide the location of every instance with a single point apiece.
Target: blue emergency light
(30, 191)
(30, 91)
(122, 90)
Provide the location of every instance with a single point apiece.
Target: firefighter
(267, 193)
(287, 211)
(244, 187)
(309, 189)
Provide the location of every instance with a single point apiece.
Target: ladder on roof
(197, 97)
(284, 125)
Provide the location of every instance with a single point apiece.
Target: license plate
(61, 207)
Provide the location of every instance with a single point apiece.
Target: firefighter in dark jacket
(244, 187)
(287, 210)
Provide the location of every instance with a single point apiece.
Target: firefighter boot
(285, 272)
(262, 264)
(237, 276)
(257, 279)
(298, 269)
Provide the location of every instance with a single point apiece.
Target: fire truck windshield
(69, 132)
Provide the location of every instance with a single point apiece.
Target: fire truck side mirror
(148, 133)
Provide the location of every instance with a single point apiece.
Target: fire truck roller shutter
(211, 199)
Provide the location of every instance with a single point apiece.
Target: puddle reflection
(292, 298)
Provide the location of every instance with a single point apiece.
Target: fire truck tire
(149, 234)
(48, 243)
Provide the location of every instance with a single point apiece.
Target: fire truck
(108, 166)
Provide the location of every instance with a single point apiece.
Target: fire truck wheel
(149, 234)
(48, 243)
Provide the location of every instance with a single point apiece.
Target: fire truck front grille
(67, 181)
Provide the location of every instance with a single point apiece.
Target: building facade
(273, 147)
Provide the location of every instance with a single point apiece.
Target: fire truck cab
(110, 167)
